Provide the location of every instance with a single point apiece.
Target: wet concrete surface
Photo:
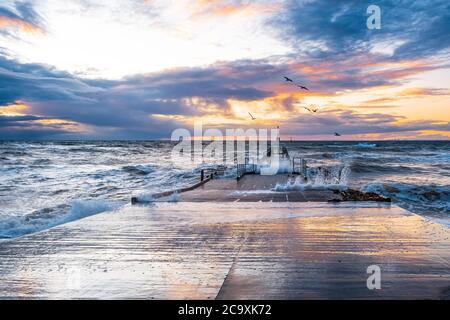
(252, 188)
(223, 250)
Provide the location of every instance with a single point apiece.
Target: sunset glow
(140, 69)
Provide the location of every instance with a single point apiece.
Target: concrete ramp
(225, 250)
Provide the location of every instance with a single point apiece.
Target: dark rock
(355, 195)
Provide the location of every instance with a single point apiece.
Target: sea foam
(16, 226)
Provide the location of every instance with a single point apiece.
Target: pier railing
(205, 176)
(245, 168)
(210, 173)
(299, 166)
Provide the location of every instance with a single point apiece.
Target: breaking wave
(50, 217)
(425, 199)
(319, 178)
(366, 145)
(139, 169)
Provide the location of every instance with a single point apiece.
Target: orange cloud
(20, 109)
(312, 69)
(8, 22)
(412, 135)
(409, 93)
(59, 122)
(434, 134)
(219, 8)
(417, 92)
(16, 109)
(366, 62)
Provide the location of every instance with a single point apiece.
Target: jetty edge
(250, 186)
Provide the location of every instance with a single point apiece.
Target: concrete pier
(232, 250)
(257, 188)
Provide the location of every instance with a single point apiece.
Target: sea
(47, 183)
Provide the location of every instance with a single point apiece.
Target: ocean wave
(139, 169)
(442, 156)
(322, 178)
(88, 149)
(366, 145)
(41, 162)
(426, 199)
(46, 218)
(328, 155)
(14, 153)
(146, 197)
(369, 166)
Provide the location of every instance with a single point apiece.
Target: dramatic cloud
(139, 69)
(37, 82)
(349, 122)
(135, 106)
(410, 29)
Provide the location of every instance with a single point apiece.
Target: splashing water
(335, 177)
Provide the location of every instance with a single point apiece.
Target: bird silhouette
(288, 80)
(253, 118)
(312, 110)
(302, 87)
(337, 134)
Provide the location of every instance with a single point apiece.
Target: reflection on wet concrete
(232, 251)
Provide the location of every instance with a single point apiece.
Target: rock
(355, 195)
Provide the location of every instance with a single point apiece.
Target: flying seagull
(337, 134)
(288, 80)
(253, 118)
(312, 110)
(302, 87)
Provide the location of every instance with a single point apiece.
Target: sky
(139, 69)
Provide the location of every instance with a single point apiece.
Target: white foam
(299, 186)
(281, 166)
(81, 209)
(334, 178)
(428, 200)
(366, 145)
(146, 197)
(15, 226)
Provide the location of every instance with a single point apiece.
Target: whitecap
(366, 145)
(16, 226)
